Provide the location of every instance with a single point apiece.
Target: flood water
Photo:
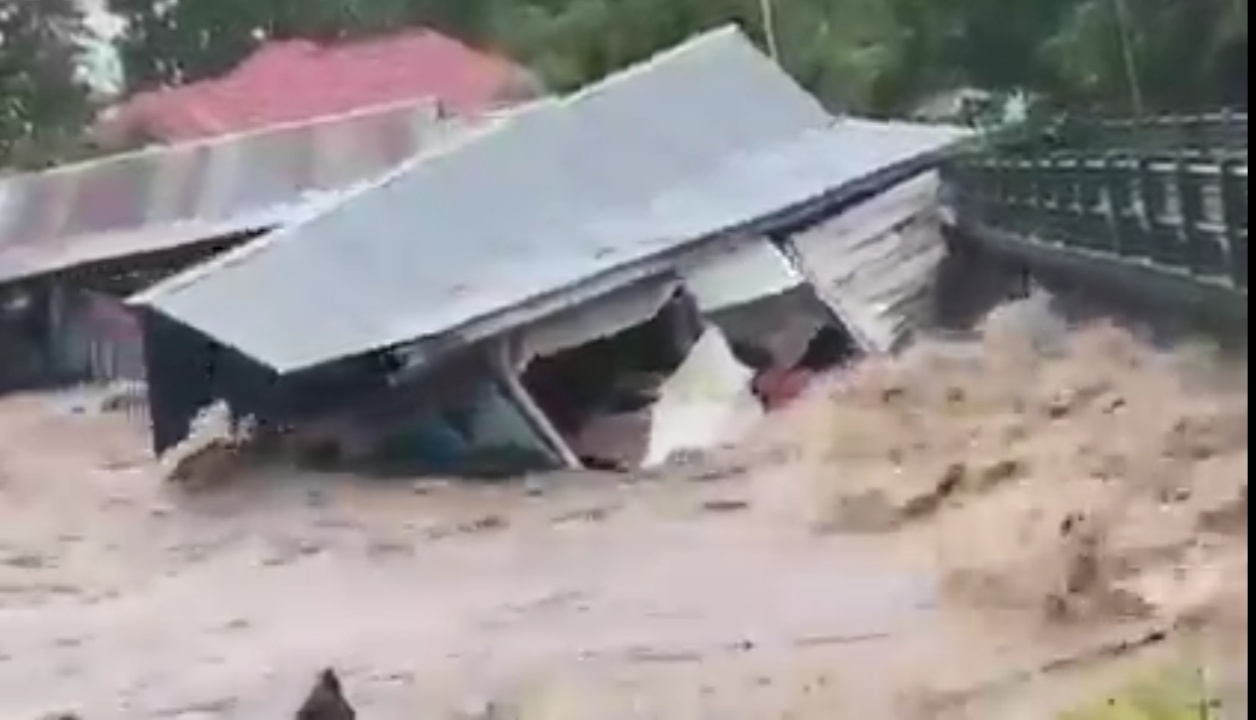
(692, 593)
(122, 599)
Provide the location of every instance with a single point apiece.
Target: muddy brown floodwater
(938, 536)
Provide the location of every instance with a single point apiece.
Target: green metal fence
(1182, 208)
(1222, 134)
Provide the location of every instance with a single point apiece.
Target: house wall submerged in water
(66, 334)
(597, 235)
(667, 365)
(865, 270)
(96, 337)
(366, 414)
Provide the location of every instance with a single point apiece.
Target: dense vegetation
(43, 104)
(881, 57)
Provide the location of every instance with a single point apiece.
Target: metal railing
(1221, 135)
(1183, 212)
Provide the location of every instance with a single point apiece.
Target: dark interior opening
(831, 347)
(597, 395)
(381, 424)
(24, 338)
(794, 330)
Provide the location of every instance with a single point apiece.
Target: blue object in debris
(438, 445)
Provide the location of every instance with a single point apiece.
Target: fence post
(1199, 258)
(1234, 209)
(1153, 193)
(1093, 225)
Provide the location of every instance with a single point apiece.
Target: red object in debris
(777, 387)
(299, 80)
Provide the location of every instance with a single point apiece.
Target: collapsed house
(75, 241)
(594, 280)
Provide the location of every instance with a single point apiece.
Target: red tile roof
(299, 80)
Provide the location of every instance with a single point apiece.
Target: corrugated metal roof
(706, 137)
(498, 218)
(874, 264)
(836, 162)
(26, 260)
(162, 192)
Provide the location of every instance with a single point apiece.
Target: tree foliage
(1175, 53)
(885, 56)
(43, 101)
(879, 57)
(177, 41)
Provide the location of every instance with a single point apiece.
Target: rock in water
(212, 450)
(326, 700)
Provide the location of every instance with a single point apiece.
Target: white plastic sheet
(706, 403)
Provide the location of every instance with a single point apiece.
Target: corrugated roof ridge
(192, 276)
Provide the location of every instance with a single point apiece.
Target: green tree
(44, 103)
(1168, 54)
(879, 57)
(572, 43)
